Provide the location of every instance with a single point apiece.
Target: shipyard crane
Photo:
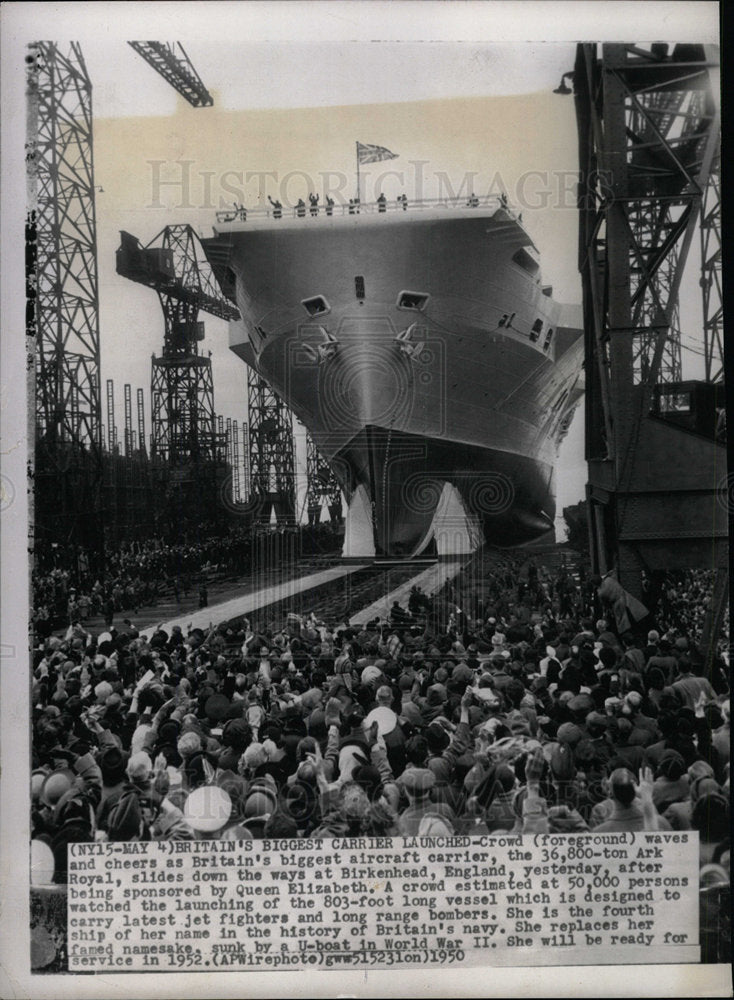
(649, 128)
(62, 314)
(184, 427)
(177, 69)
(322, 487)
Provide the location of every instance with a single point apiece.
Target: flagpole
(356, 146)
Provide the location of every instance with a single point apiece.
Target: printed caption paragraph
(617, 898)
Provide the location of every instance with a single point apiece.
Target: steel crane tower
(648, 124)
(63, 299)
(184, 436)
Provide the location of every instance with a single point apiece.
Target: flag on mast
(367, 153)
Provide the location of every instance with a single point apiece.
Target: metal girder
(182, 392)
(177, 69)
(322, 485)
(271, 454)
(182, 395)
(63, 294)
(174, 264)
(141, 423)
(648, 135)
(713, 312)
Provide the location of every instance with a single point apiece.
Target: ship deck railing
(242, 214)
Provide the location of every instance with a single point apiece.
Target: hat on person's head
(207, 808)
(710, 816)
(653, 635)
(260, 803)
(189, 744)
(410, 712)
(436, 694)
(462, 674)
(169, 731)
(37, 779)
(595, 721)
(712, 876)
(700, 769)
(55, 785)
(569, 733)
(216, 707)
(236, 734)
(704, 785)
(671, 765)
(581, 703)
(437, 738)
(236, 832)
(405, 681)
(440, 768)
(368, 777)
(633, 699)
(112, 763)
(125, 818)
(418, 781)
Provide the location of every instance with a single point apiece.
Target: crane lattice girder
(172, 266)
(271, 451)
(178, 70)
(648, 134)
(65, 286)
(322, 485)
(182, 392)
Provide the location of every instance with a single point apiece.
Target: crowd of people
(140, 574)
(511, 710)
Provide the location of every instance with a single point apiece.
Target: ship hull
(467, 389)
(510, 497)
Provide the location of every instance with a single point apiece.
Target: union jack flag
(373, 154)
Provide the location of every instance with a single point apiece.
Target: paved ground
(244, 603)
(429, 580)
(220, 591)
